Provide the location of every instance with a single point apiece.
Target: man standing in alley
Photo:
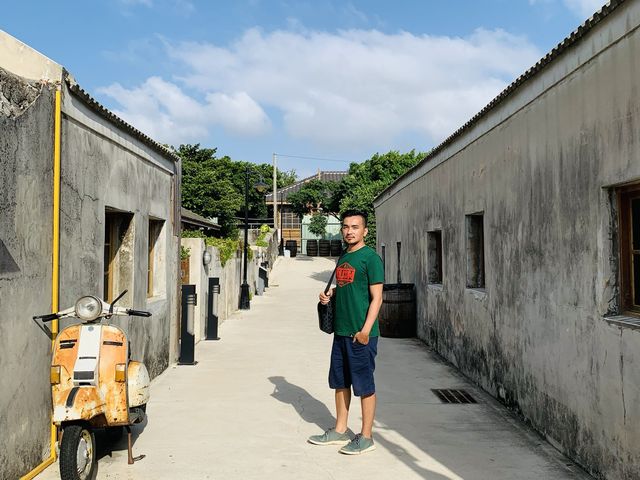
(358, 297)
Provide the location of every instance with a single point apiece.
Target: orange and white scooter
(94, 384)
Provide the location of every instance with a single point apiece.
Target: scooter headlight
(88, 308)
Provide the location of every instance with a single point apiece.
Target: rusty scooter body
(94, 384)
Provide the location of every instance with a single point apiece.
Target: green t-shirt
(356, 271)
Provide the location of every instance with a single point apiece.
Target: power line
(314, 158)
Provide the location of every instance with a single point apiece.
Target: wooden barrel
(312, 248)
(292, 246)
(324, 248)
(397, 317)
(336, 248)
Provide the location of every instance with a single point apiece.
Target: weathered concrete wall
(24, 61)
(540, 167)
(230, 276)
(230, 281)
(270, 253)
(26, 159)
(104, 168)
(197, 277)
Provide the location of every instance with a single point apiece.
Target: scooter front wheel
(77, 453)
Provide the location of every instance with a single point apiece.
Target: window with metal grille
(290, 220)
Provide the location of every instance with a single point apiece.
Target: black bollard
(187, 337)
(212, 309)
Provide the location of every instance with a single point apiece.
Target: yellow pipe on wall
(55, 274)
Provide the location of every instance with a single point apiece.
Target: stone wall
(541, 167)
(230, 276)
(105, 167)
(104, 170)
(26, 156)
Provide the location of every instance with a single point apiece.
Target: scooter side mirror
(44, 328)
(124, 292)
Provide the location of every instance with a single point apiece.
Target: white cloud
(351, 89)
(237, 112)
(164, 112)
(584, 8)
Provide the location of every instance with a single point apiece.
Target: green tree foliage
(214, 186)
(364, 182)
(367, 180)
(313, 195)
(262, 172)
(207, 187)
(227, 247)
(264, 231)
(318, 224)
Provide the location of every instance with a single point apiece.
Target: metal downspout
(177, 208)
(55, 274)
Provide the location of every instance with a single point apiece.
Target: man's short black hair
(355, 213)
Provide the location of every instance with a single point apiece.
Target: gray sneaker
(358, 445)
(330, 437)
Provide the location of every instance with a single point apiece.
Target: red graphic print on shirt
(345, 274)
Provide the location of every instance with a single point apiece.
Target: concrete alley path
(245, 410)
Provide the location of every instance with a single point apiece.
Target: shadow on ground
(115, 440)
(309, 408)
(314, 411)
(408, 459)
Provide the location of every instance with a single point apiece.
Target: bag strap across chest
(326, 290)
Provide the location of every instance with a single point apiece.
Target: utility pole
(244, 288)
(275, 197)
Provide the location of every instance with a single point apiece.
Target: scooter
(94, 384)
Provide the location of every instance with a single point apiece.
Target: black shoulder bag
(327, 312)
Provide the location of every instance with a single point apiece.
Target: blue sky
(327, 79)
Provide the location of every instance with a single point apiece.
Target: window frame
(154, 232)
(399, 257)
(475, 253)
(119, 237)
(290, 220)
(434, 251)
(626, 251)
(110, 249)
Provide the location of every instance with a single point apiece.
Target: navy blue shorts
(352, 364)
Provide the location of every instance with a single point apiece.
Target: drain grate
(449, 395)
